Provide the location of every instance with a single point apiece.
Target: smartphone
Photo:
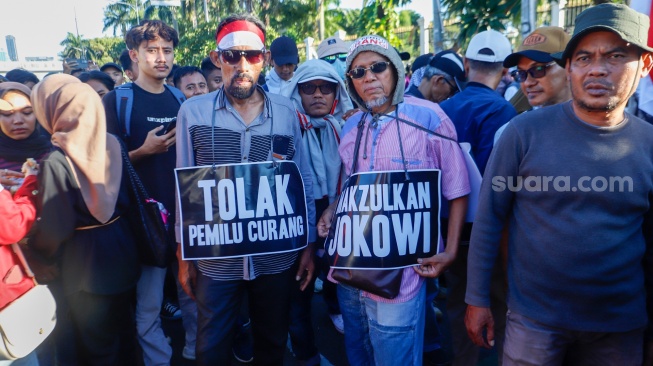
(81, 64)
(170, 126)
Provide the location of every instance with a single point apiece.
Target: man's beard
(376, 102)
(241, 92)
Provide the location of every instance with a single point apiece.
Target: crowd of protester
(543, 273)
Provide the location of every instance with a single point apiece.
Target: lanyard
(267, 107)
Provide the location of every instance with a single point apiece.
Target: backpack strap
(181, 98)
(125, 103)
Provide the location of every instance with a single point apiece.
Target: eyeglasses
(309, 89)
(377, 68)
(232, 57)
(338, 56)
(535, 72)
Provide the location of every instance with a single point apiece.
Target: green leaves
(476, 16)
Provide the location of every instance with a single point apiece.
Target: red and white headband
(240, 33)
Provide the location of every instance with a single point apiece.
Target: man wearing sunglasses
(320, 97)
(579, 251)
(334, 51)
(542, 80)
(375, 80)
(241, 123)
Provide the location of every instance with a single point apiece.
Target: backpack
(125, 102)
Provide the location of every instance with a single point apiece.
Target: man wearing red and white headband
(246, 125)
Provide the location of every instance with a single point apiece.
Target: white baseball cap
(489, 46)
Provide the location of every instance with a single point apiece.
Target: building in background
(3, 55)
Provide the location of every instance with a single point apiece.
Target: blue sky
(39, 25)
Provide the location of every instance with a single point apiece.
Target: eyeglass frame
(336, 56)
(300, 86)
(365, 69)
(242, 54)
(531, 72)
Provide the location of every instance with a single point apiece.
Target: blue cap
(284, 51)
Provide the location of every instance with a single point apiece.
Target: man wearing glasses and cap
(334, 51)
(320, 97)
(400, 134)
(241, 123)
(541, 79)
(579, 243)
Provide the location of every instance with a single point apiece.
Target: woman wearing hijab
(83, 198)
(20, 139)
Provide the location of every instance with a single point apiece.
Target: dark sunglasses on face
(232, 57)
(377, 68)
(338, 56)
(309, 89)
(535, 72)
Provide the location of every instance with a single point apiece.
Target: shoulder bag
(386, 282)
(27, 321)
(148, 219)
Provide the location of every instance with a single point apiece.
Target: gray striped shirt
(235, 142)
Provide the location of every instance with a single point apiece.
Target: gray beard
(376, 102)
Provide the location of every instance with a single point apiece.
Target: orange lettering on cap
(534, 39)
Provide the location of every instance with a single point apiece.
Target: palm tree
(123, 15)
(77, 47)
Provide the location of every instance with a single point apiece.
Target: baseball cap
(421, 61)
(539, 46)
(109, 65)
(284, 51)
(449, 62)
(488, 46)
(629, 24)
(332, 46)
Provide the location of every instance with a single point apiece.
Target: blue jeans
(378, 333)
(149, 296)
(529, 342)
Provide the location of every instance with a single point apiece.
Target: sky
(40, 25)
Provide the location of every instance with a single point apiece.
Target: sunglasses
(377, 68)
(535, 72)
(232, 57)
(338, 56)
(309, 89)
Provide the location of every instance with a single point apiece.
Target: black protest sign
(241, 209)
(384, 220)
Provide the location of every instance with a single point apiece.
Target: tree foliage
(478, 15)
(297, 19)
(77, 47)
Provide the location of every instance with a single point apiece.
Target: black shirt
(149, 111)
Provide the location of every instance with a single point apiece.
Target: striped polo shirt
(380, 151)
(277, 128)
